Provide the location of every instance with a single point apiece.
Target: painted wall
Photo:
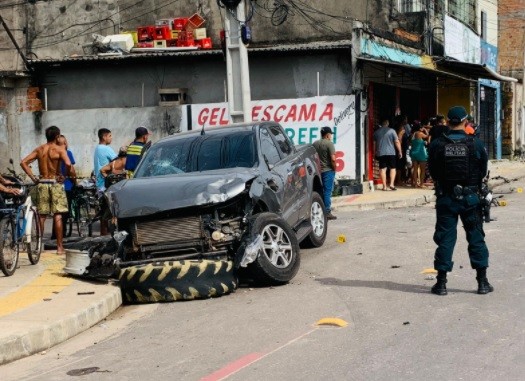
(490, 7)
(120, 85)
(454, 95)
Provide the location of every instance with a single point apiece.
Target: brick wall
(511, 42)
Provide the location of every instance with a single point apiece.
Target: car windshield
(199, 153)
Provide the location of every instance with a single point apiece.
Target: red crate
(180, 23)
(185, 43)
(171, 43)
(146, 33)
(205, 43)
(162, 33)
(145, 44)
(196, 21)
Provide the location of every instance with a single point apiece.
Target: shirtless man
(49, 194)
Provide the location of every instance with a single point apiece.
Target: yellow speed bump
(332, 321)
(429, 271)
(341, 238)
(502, 203)
(520, 190)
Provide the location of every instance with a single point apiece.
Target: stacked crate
(175, 32)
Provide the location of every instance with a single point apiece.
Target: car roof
(217, 129)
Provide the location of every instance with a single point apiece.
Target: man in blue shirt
(103, 155)
(69, 182)
(134, 152)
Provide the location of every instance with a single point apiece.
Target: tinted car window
(268, 148)
(199, 153)
(282, 140)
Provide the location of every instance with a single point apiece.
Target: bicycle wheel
(34, 248)
(10, 250)
(82, 219)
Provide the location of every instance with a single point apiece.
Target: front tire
(319, 223)
(278, 259)
(10, 250)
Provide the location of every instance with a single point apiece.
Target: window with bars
(407, 6)
(463, 10)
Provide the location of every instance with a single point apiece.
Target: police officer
(458, 163)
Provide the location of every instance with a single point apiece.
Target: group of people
(107, 162)
(457, 163)
(57, 177)
(402, 150)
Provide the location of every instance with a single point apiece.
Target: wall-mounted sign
(461, 43)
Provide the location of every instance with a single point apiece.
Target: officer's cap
(457, 114)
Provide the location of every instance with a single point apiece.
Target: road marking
(248, 360)
(429, 271)
(51, 281)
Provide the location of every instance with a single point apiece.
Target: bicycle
(19, 225)
(81, 212)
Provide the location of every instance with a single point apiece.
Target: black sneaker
(484, 287)
(330, 216)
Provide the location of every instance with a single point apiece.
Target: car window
(199, 153)
(282, 140)
(268, 148)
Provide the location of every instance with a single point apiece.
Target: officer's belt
(449, 188)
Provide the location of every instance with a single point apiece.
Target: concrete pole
(237, 69)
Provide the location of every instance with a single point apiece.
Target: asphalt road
(375, 281)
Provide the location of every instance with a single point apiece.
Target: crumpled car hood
(145, 196)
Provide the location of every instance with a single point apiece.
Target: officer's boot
(484, 287)
(440, 288)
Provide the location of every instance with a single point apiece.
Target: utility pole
(237, 68)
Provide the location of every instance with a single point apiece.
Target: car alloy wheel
(277, 246)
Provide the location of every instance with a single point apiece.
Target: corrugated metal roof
(156, 52)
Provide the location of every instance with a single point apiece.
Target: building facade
(342, 64)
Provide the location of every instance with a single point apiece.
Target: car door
(294, 174)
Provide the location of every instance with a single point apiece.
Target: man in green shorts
(49, 195)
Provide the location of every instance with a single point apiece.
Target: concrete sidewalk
(41, 306)
(501, 171)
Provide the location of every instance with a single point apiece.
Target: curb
(45, 336)
(393, 204)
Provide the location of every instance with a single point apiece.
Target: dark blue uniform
(458, 196)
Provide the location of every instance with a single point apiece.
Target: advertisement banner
(302, 120)
(461, 43)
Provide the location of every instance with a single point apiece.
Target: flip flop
(393, 188)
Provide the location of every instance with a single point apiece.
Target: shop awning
(428, 69)
(473, 70)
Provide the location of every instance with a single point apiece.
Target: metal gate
(487, 119)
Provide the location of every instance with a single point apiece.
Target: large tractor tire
(177, 280)
(278, 259)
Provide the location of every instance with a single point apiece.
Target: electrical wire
(96, 23)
